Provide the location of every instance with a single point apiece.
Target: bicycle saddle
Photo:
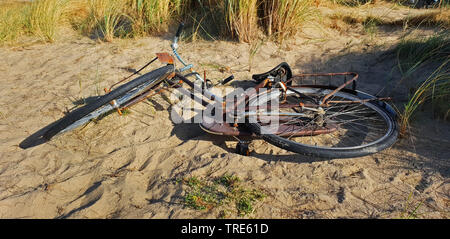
(282, 72)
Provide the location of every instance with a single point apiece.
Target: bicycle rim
(352, 129)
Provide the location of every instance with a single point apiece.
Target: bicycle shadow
(37, 138)
(192, 131)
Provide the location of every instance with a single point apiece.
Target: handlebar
(174, 44)
(175, 47)
(199, 79)
(180, 29)
(228, 79)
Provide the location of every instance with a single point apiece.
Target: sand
(128, 166)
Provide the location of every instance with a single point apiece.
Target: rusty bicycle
(292, 112)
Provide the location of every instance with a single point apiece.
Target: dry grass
(413, 53)
(229, 19)
(346, 19)
(435, 18)
(12, 3)
(242, 19)
(39, 18)
(152, 16)
(44, 18)
(106, 19)
(12, 22)
(365, 24)
(435, 90)
(205, 19)
(283, 18)
(77, 11)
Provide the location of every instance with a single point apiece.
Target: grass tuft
(413, 52)
(435, 89)
(106, 20)
(242, 19)
(410, 211)
(12, 22)
(44, 17)
(283, 18)
(228, 180)
(224, 192)
(152, 16)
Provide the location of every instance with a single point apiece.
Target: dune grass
(204, 19)
(103, 19)
(434, 92)
(440, 18)
(39, 18)
(44, 17)
(107, 20)
(12, 22)
(283, 18)
(413, 52)
(77, 11)
(152, 16)
(242, 19)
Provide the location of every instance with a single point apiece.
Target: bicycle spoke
(354, 123)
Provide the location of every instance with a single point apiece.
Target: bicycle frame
(294, 110)
(249, 111)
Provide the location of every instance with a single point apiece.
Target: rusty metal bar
(358, 101)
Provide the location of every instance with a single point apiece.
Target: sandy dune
(127, 167)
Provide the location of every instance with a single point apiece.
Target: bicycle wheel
(351, 126)
(121, 94)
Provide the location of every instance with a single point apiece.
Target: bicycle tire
(81, 112)
(386, 141)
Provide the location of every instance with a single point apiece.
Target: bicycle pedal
(243, 148)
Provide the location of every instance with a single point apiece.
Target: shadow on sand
(37, 138)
